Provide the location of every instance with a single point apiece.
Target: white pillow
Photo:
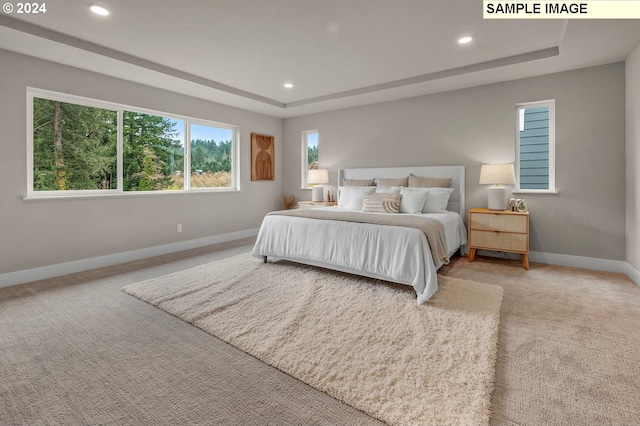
(437, 200)
(387, 189)
(413, 199)
(352, 197)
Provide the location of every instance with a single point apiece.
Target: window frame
(305, 156)
(551, 103)
(119, 108)
(235, 154)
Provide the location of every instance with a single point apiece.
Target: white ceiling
(338, 53)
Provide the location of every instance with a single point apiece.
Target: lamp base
(317, 193)
(497, 198)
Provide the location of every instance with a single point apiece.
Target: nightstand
(315, 204)
(500, 231)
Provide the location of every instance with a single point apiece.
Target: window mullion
(120, 151)
(235, 159)
(187, 155)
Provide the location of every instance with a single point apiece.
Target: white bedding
(391, 253)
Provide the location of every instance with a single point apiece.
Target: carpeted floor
(76, 350)
(569, 343)
(362, 341)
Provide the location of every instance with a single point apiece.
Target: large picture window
(535, 146)
(79, 146)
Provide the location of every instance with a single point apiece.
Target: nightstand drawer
(499, 222)
(501, 241)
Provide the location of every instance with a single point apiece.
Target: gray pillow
(393, 182)
(358, 182)
(427, 182)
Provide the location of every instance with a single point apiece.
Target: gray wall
(47, 232)
(633, 159)
(475, 126)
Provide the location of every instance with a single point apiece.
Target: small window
(309, 154)
(535, 146)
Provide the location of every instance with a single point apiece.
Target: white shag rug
(364, 342)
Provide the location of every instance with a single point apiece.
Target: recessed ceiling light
(99, 10)
(288, 85)
(465, 40)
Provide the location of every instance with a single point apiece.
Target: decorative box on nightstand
(500, 231)
(315, 204)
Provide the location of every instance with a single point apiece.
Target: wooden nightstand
(315, 204)
(500, 231)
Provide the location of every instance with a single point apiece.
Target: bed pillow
(393, 182)
(427, 182)
(352, 197)
(413, 200)
(357, 182)
(387, 189)
(437, 200)
(381, 203)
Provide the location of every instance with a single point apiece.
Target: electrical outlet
(179, 228)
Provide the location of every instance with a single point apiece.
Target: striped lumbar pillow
(381, 203)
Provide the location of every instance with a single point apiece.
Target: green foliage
(151, 177)
(312, 154)
(210, 163)
(75, 148)
(85, 157)
(210, 156)
(152, 154)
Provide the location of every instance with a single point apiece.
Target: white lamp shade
(318, 176)
(494, 174)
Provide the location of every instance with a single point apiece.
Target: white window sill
(49, 197)
(524, 191)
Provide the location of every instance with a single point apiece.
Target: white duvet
(391, 253)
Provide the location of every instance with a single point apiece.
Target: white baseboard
(632, 273)
(608, 265)
(583, 262)
(51, 271)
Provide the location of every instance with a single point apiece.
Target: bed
(338, 238)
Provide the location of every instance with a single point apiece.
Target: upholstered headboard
(456, 173)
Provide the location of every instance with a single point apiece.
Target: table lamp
(495, 174)
(317, 178)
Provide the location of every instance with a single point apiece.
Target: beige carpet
(365, 343)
